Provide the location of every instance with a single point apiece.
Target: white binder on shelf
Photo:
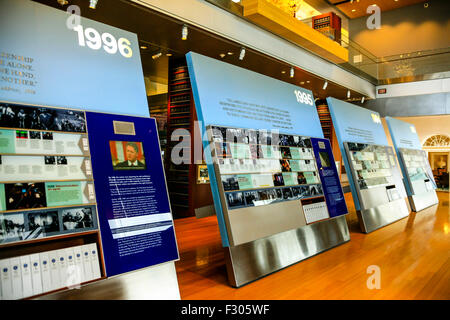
(54, 269)
(27, 283)
(94, 260)
(63, 271)
(45, 272)
(6, 278)
(87, 265)
(36, 273)
(79, 262)
(73, 276)
(16, 277)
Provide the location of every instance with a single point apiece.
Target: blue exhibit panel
(403, 134)
(230, 96)
(133, 206)
(334, 196)
(355, 124)
(43, 62)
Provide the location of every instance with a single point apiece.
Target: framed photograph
(235, 199)
(77, 218)
(42, 224)
(202, 174)
(127, 155)
(25, 195)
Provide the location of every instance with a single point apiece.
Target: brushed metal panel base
(377, 217)
(252, 260)
(422, 201)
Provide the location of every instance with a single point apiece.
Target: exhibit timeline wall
(80, 158)
(417, 174)
(272, 174)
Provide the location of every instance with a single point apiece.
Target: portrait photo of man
(127, 155)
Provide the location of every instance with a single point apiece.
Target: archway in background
(438, 149)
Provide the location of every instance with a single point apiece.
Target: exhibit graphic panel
(134, 212)
(48, 58)
(265, 178)
(417, 174)
(374, 177)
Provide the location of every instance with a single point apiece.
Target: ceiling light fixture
(168, 54)
(222, 55)
(230, 53)
(283, 71)
(362, 99)
(302, 82)
(307, 81)
(325, 85)
(291, 73)
(63, 2)
(242, 54)
(157, 55)
(143, 47)
(93, 4)
(184, 32)
(348, 94)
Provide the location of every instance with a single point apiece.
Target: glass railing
(405, 67)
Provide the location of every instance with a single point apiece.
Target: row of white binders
(30, 275)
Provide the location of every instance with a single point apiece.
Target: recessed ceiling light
(307, 81)
(230, 53)
(168, 54)
(353, 10)
(284, 71)
(143, 47)
(222, 55)
(303, 82)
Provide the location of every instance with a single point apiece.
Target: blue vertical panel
(133, 206)
(355, 124)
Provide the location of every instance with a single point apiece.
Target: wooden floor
(413, 255)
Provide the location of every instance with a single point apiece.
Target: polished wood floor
(413, 255)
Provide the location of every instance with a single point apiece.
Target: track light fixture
(242, 54)
(93, 4)
(362, 99)
(291, 74)
(184, 32)
(157, 55)
(348, 94)
(325, 85)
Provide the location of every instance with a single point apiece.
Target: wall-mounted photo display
(36, 224)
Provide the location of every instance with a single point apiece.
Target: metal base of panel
(382, 215)
(252, 260)
(422, 201)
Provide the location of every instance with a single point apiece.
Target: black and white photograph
(41, 118)
(230, 183)
(35, 135)
(295, 192)
(77, 218)
(307, 142)
(12, 227)
(251, 197)
(42, 224)
(235, 135)
(61, 160)
(50, 159)
(265, 137)
(287, 193)
(314, 190)
(254, 151)
(279, 193)
(223, 150)
(304, 192)
(235, 199)
(47, 135)
(25, 195)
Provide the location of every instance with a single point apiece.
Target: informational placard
(374, 177)
(134, 212)
(262, 146)
(49, 57)
(413, 160)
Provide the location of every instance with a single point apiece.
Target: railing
(405, 67)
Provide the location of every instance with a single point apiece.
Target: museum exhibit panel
(273, 178)
(83, 194)
(417, 174)
(375, 179)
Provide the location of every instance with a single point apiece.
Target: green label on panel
(245, 181)
(63, 193)
(266, 151)
(295, 153)
(311, 177)
(240, 151)
(295, 165)
(7, 141)
(2, 198)
(290, 178)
